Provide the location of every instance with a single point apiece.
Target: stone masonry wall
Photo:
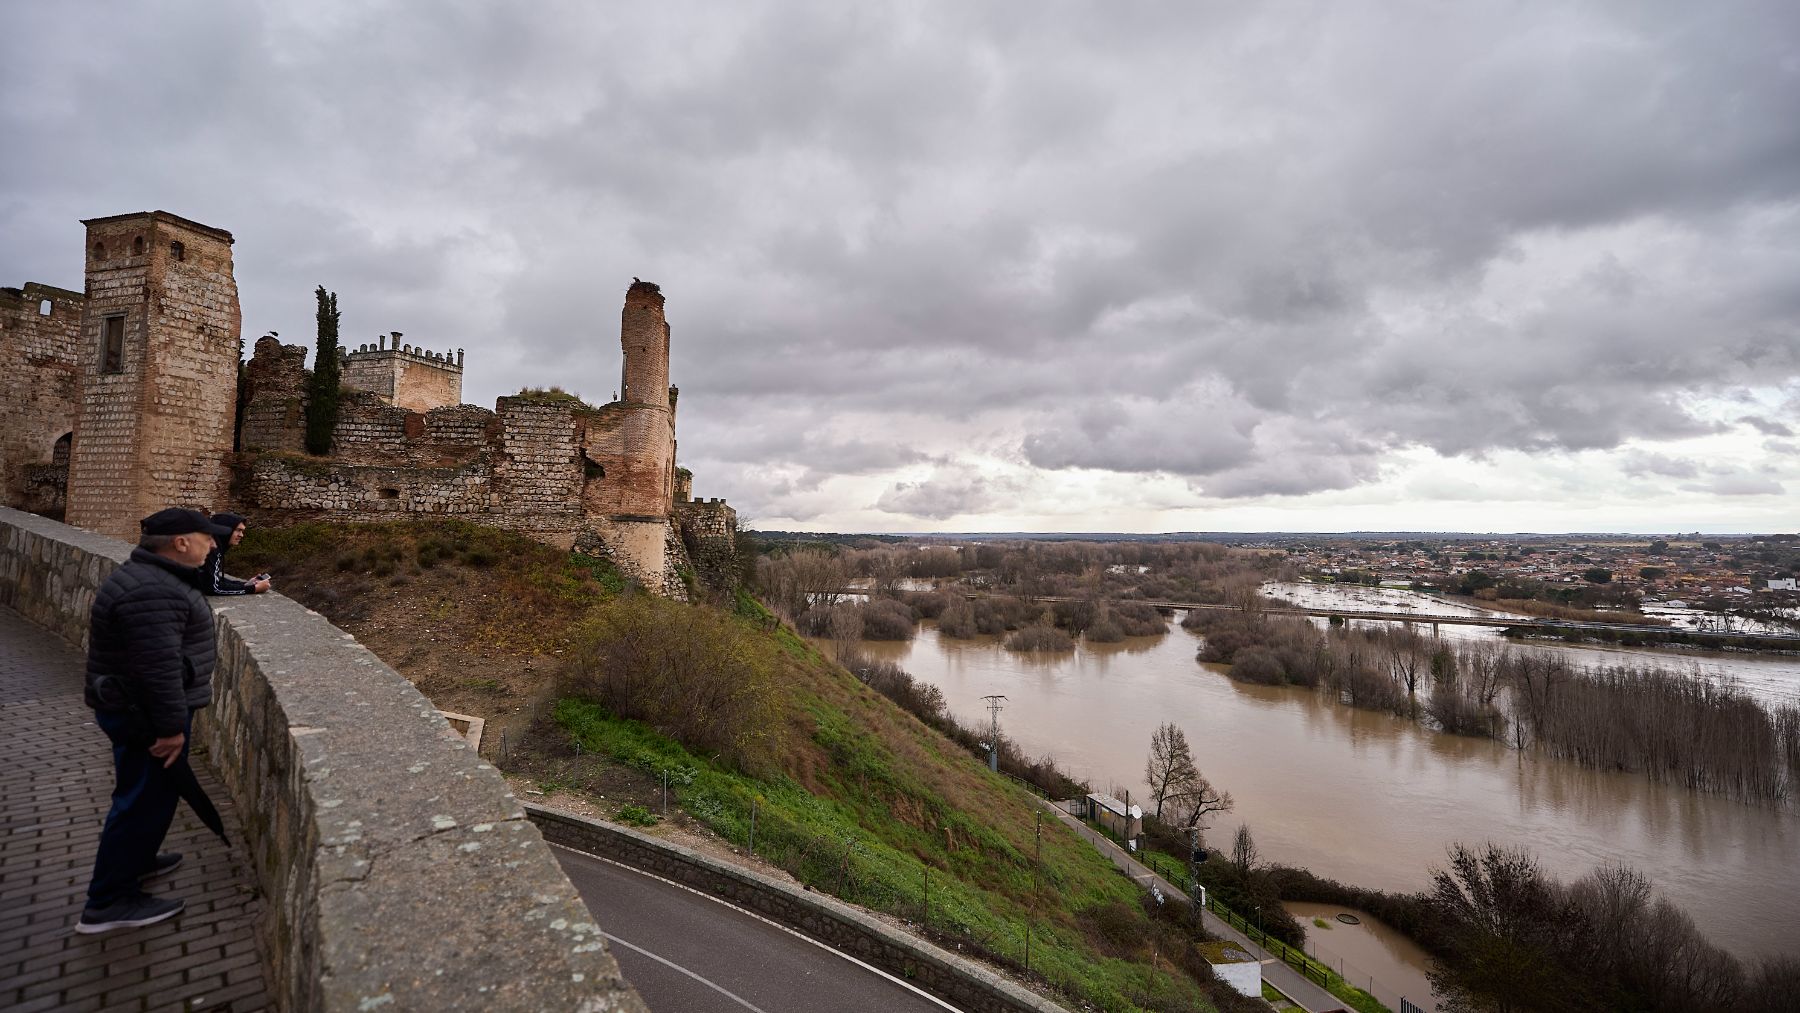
(539, 471)
(39, 388)
(363, 493)
(399, 871)
(939, 972)
(157, 432)
(275, 414)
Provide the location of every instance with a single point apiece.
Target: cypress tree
(322, 386)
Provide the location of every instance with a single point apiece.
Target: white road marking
(916, 990)
(666, 962)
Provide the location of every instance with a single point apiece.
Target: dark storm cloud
(1265, 249)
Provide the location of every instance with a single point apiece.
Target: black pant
(143, 806)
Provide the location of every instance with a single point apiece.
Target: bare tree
(1406, 658)
(1196, 802)
(1170, 769)
(1243, 849)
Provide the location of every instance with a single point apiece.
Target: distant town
(1746, 574)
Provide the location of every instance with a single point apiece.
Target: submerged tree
(322, 386)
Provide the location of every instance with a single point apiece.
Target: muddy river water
(1371, 799)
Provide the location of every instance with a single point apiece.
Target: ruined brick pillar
(647, 476)
(158, 367)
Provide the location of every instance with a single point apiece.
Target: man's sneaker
(166, 861)
(138, 909)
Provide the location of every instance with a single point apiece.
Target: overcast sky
(1044, 266)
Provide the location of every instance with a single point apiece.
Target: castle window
(44, 308)
(59, 453)
(99, 251)
(112, 345)
(177, 250)
(388, 493)
(137, 246)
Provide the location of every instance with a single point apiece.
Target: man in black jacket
(211, 578)
(150, 664)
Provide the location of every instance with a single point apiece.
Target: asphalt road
(690, 953)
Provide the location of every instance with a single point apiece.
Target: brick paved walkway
(55, 784)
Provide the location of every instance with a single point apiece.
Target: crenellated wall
(412, 378)
(399, 872)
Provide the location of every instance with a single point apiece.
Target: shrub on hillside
(693, 673)
(921, 699)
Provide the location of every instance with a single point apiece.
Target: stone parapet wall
(397, 870)
(965, 985)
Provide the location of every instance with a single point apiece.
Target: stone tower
(406, 376)
(158, 361)
(647, 430)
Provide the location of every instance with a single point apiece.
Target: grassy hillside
(851, 794)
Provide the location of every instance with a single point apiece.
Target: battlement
(406, 376)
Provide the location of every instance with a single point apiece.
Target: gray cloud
(945, 494)
(1766, 426)
(1264, 249)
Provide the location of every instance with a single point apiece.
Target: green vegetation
(873, 830)
(637, 816)
(855, 797)
(322, 386)
(1273, 929)
(552, 395)
(534, 594)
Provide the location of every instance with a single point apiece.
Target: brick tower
(647, 481)
(158, 371)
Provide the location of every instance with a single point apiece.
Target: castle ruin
(126, 399)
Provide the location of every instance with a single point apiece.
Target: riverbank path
(55, 786)
(1306, 994)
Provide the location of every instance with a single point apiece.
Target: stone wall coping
(828, 920)
(398, 870)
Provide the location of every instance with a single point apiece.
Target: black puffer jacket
(150, 645)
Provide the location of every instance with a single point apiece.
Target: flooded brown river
(1368, 798)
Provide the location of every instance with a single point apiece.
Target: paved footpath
(55, 785)
(1303, 992)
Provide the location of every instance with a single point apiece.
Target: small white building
(1115, 816)
(1784, 584)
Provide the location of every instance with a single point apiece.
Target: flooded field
(1369, 798)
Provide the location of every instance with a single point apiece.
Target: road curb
(944, 974)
